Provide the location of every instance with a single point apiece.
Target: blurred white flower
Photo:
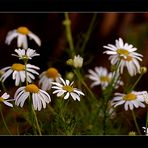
(100, 76)
(5, 100)
(24, 54)
(21, 33)
(48, 76)
(127, 56)
(18, 73)
(39, 97)
(145, 95)
(130, 100)
(66, 87)
(145, 131)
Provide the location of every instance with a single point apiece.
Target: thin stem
(3, 86)
(104, 119)
(4, 121)
(134, 85)
(78, 74)
(25, 62)
(37, 123)
(31, 115)
(89, 31)
(31, 110)
(67, 24)
(107, 94)
(135, 121)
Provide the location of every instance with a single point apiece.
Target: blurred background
(107, 27)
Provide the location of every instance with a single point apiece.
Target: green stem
(104, 119)
(135, 121)
(89, 31)
(107, 94)
(132, 88)
(37, 123)
(4, 121)
(3, 86)
(67, 24)
(32, 118)
(25, 62)
(78, 74)
(31, 110)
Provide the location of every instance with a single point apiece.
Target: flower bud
(143, 70)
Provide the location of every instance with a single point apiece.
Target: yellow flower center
(23, 30)
(18, 67)
(122, 51)
(1, 99)
(52, 73)
(68, 88)
(129, 97)
(104, 79)
(128, 58)
(32, 88)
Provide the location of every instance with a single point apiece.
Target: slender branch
(88, 33)
(136, 82)
(37, 123)
(135, 121)
(4, 121)
(67, 24)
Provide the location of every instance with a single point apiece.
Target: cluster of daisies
(24, 73)
(122, 55)
(125, 57)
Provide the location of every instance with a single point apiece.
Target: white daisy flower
(48, 76)
(126, 53)
(66, 88)
(5, 100)
(130, 100)
(101, 77)
(21, 33)
(77, 62)
(24, 54)
(39, 97)
(18, 73)
(145, 131)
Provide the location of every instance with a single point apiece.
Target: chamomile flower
(39, 97)
(48, 76)
(24, 54)
(125, 53)
(65, 87)
(76, 62)
(145, 131)
(5, 100)
(18, 73)
(21, 33)
(145, 95)
(130, 100)
(100, 76)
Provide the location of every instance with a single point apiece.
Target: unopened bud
(143, 70)
(1, 72)
(69, 75)
(66, 22)
(69, 62)
(132, 133)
